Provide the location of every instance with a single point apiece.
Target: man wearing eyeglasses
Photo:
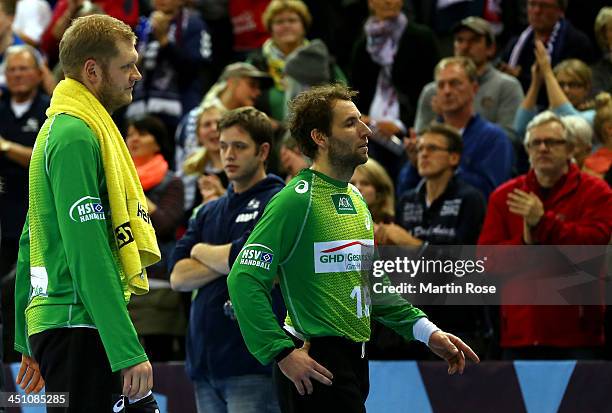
(442, 209)
(547, 23)
(554, 204)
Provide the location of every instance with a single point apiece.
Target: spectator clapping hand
(542, 59)
(160, 24)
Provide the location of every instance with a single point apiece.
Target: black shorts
(73, 360)
(347, 361)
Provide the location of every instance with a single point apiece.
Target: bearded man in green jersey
(314, 236)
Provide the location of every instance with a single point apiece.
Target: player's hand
(137, 380)
(452, 349)
(29, 377)
(300, 368)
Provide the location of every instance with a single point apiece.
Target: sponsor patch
(257, 255)
(124, 236)
(39, 281)
(343, 256)
(86, 209)
(343, 204)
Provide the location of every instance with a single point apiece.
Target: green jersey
(317, 237)
(68, 265)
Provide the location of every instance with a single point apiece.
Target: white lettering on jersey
(246, 217)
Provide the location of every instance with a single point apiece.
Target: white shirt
(32, 18)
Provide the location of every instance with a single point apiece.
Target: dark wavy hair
(313, 109)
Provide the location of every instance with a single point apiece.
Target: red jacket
(578, 211)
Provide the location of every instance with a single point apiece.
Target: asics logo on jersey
(301, 187)
(87, 208)
(118, 407)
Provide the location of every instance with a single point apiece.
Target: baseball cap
(477, 25)
(243, 69)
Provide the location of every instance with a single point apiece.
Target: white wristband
(423, 329)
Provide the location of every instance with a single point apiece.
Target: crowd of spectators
(498, 111)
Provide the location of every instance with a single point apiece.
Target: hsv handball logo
(257, 255)
(86, 209)
(343, 256)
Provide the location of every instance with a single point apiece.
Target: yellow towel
(134, 232)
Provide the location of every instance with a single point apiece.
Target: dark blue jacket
(23, 130)
(486, 161)
(173, 76)
(454, 218)
(215, 348)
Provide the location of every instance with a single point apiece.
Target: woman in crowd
(287, 22)
(568, 87)
(204, 165)
(392, 61)
(377, 189)
(158, 316)
(602, 70)
(580, 134)
(291, 158)
(599, 162)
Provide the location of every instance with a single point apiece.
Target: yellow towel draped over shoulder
(134, 233)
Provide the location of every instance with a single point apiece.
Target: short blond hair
(277, 6)
(603, 19)
(577, 69)
(92, 37)
(384, 204)
(465, 62)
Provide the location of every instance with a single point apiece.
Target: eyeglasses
(571, 85)
(19, 69)
(289, 20)
(430, 148)
(542, 5)
(548, 143)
